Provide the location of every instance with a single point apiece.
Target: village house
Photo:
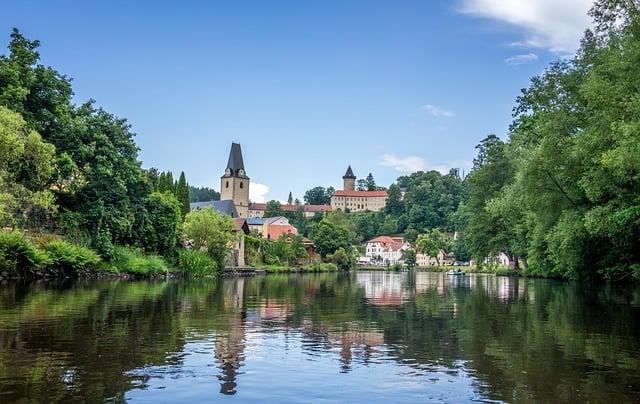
(385, 250)
(350, 200)
(258, 209)
(424, 260)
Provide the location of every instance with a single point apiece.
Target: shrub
(322, 267)
(396, 267)
(211, 231)
(197, 263)
(18, 256)
(342, 259)
(134, 261)
(69, 259)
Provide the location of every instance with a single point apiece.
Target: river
(348, 337)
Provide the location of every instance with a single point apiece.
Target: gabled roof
(275, 231)
(384, 240)
(235, 162)
(349, 174)
(226, 207)
(381, 194)
(240, 224)
(292, 208)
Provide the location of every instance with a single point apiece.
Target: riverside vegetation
(560, 196)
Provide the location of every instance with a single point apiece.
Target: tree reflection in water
(497, 338)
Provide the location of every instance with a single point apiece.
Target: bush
(68, 259)
(396, 267)
(322, 267)
(134, 261)
(197, 263)
(211, 231)
(342, 259)
(18, 255)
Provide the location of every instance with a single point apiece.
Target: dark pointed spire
(235, 163)
(349, 174)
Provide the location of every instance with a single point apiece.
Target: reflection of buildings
(230, 343)
(382, 288)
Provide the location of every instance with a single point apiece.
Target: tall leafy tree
(182, 193)
(274, 209)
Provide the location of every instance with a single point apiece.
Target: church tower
(234, 184)
(349, 180)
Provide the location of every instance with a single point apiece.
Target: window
(227, 184)
(241, 185)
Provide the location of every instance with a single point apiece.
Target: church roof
(235, 162)
(226, 207)
(349, 173)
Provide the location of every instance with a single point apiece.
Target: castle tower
(349, 180)
(234, 184)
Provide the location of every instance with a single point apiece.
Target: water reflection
(392, 336)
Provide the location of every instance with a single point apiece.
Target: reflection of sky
(278, 368)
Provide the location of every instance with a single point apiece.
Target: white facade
(386, 250)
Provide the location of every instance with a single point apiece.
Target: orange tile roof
(293, 208)
(275, 231)
(361, 193)
(384, 240)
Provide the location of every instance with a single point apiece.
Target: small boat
(455, 272)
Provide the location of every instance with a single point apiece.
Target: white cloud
(410, 164)
(556, 25)
(521, 59)
(437, 111)
(258, 192)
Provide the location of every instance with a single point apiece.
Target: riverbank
(311, 268)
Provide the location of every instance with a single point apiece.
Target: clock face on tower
(227, 171)
(241, 172)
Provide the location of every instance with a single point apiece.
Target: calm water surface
(365, 336)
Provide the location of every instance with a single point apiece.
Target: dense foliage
(562, 196)
(73, 169)
(211, 232)
(203, 194)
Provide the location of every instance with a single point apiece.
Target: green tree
(409, 257)
(395, 205)
(182, 193)
(343, 258)
(273, 209)
(329, 237)
(318, 196)
(157, 228)
(431, 243)
(209, 231)
(26, 171)
(370, 183)
(290, 199)
(486, 232)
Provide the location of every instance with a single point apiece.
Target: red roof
(384, 240)
(257, 206)
(317, 208)
(293, 208)
(361, 193)
(277, 230)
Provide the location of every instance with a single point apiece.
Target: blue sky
(306, 87)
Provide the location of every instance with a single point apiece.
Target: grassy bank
(311, 268)
(49, 256)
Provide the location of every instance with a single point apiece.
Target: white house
(424, 260)
(385, 250)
